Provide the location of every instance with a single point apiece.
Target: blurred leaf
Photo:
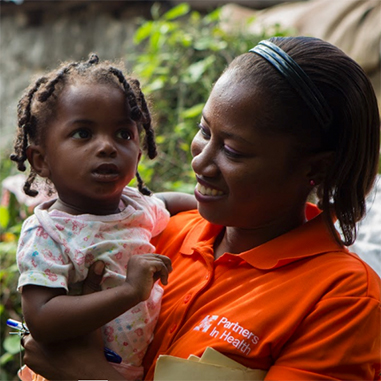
(6, 357)
(213, 16)
(194, 111)
(8, 247)
(4, 217)
(177, 11)
(12, 344)
(143, 32)
(155, 11)
(197, 69)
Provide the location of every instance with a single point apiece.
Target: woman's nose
(203, 153)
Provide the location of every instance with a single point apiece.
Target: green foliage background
(178, 57)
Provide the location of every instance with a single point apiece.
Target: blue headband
(297, 78)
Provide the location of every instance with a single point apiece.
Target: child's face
(91, 147)
(247, 178)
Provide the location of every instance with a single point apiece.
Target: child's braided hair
(37, 106)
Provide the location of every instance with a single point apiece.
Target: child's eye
(81, 134)
(204, 131)
(124, 134)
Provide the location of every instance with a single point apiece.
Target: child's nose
(106, 147)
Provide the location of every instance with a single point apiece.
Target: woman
(259, 274)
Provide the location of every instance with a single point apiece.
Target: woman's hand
(144, 270)
(68, 360)
(82, 358)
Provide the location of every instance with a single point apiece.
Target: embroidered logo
(221, 328)
(206, 323)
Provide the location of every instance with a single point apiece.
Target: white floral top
(56, 249)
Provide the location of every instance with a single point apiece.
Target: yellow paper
(193, 358)
(212, 366)
(211, 356)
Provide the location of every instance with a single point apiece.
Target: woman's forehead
(236, 99)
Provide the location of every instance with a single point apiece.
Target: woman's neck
(238, 240)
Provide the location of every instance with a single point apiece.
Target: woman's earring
(312, 183)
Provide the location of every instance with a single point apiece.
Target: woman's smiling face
(247, 178)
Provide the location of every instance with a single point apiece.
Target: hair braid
(149, 142)
(28, 184)
(141, 186)
(44, 96)
(26, 125)
(139, 113)
(93, 60)
(136, 113)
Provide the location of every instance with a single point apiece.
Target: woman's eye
(81, 134)
(204, 131)
(232, 153)
(124, 134)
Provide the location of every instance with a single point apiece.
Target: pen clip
(20, 327)
(111, 356)
(22, 330)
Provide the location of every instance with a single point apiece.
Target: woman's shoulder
(185, 221)
(179, 227)
(345, 274)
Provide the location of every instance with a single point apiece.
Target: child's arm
(177, 202)
(52, 316)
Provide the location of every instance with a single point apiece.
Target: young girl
(79, 127)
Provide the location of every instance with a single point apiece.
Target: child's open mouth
(106, 172)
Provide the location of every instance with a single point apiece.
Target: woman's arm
(177, 202)
(53, 316)
(79, 359)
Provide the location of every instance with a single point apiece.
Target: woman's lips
(208, 191)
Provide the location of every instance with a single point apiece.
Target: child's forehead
(78, 96)
(84, 88)
(93, 78)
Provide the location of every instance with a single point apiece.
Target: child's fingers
(94, 278)
(164, 269)
(167, 262)
(145, 269)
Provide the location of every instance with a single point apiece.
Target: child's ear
(318, 166)
(36, 158)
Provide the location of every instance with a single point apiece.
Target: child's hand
(144, 270)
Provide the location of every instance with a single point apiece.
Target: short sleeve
(338, 340)
(160, 214)
(40, 260)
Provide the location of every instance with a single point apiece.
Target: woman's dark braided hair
(37, 107)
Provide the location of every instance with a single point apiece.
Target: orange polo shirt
(299, 306)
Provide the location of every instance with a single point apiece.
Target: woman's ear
(318, 165)
(36, 158)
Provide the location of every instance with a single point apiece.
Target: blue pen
(18, 326)
(22, 329)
